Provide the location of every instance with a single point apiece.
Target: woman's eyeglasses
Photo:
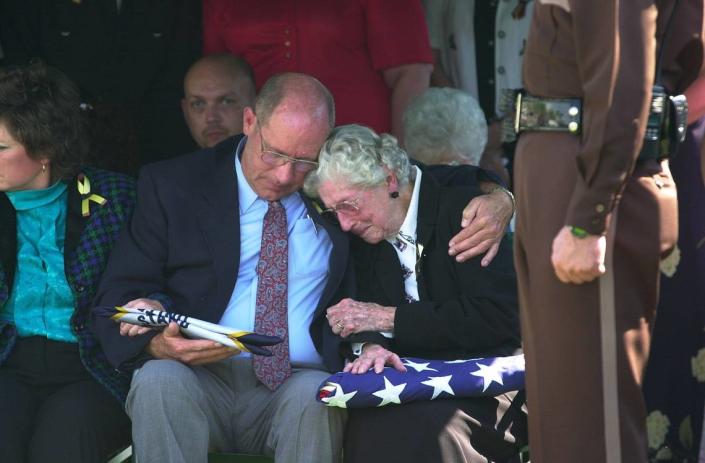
(348, 208)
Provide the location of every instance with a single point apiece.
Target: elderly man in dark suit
(186, 249)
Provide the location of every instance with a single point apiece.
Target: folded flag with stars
(246, 341)
(424, 380)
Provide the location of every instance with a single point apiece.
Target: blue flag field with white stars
(424, 380)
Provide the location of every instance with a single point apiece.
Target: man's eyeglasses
(274, 158)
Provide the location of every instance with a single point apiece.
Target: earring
(44, 168)
(394, 194)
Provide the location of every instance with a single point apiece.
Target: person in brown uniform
(594, 217)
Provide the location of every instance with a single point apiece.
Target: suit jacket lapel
(220, 221)
(8, 241)
(75, 221)
(339, 254)
(429, 203)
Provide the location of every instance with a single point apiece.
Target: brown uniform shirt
(604, 51)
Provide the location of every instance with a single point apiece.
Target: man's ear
(184, 106)
(249, 121)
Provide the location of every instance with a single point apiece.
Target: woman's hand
(349, 317)
(128, 329)
(374, 355)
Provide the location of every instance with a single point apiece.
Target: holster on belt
(666, 125)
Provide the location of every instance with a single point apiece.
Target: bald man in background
(216, 90)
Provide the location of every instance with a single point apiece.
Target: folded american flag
(424, 380)
(246, 341)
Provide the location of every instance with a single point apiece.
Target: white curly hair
(444, 125)
(359, 156)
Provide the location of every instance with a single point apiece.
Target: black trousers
(51, 408)
(472, 430)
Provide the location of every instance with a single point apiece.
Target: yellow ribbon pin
(84, 188)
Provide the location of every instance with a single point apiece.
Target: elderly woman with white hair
(447, 126)
(415, 300)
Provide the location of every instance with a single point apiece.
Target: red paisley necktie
(271, 304)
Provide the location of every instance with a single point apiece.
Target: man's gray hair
(444, 125)
(307, 89)
(358, 156)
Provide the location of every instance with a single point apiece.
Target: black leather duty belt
(665, 128)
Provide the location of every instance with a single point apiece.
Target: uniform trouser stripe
(608, 320)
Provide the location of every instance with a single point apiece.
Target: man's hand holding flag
(246, 341)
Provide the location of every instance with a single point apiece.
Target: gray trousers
(180, 413)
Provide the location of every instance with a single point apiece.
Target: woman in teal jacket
(58, 222)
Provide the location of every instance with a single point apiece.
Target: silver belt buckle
(510, 100)
(547, 114)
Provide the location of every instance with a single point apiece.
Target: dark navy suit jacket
(183, 248)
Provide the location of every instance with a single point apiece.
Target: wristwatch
(498, 187)
(511, 197)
